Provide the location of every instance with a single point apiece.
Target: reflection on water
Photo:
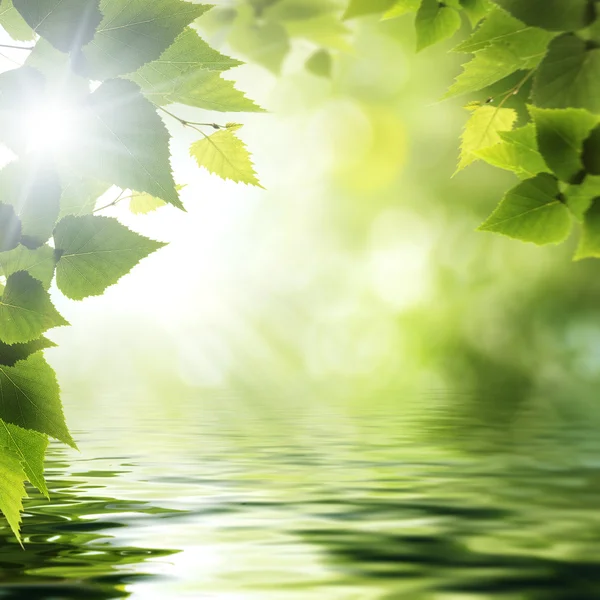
(303, 504)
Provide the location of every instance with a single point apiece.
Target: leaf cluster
(113, 66)
(532, 70)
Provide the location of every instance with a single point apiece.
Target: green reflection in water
(309, 502)
(69, 550)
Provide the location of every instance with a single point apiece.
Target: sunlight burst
(50, 128)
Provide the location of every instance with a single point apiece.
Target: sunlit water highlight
(303, 504)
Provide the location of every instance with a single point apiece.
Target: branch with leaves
(141, 57)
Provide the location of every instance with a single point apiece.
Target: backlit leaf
(95, 252)
(14, 24)
(26, 310)
(517, 152)
(39, 263)
(29, 398)
(483, 130)
(66, 24)
(225, 155)
(188, 73)
(126, 142)
(134, 33)
(435, 22)
(533, 211)
(12, 489)
(30, 447)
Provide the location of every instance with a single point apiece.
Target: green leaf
(79, 194)
(10, 354)
(66, 24)
(188, 73)
(134, 33)
(125, 142)
(517, 51)
(496, 28)
(560, 135)
(30, 447)
(483, 130)
(580, 197)
(401, 8)
(26, 310)
(591, 152)
(569, 76)
(29, 398)
(10, 228)
(142, 204)
(225, 155)
(320, 64)
(39, 263)
(14, 24)
(589, 243)
(359, 8)
(12, 489)
(476, 9)
(518, 152)
(32, 188)
(533, 211)
(434, 23)
(95, 252)
(62, 83)
(555, 15)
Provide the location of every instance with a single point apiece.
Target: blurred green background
(358, 273)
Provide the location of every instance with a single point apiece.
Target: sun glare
(50, 128)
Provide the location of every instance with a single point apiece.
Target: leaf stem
(191, 124)
(17, 47)
(114, 202)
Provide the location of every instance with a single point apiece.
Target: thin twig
(17, 47)
(118, 199)
(192, 124)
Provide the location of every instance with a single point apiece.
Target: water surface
(229, 500)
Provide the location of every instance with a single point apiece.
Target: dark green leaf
(591, 152)
(95, 252)
(26, 310)
(569, 76)
(555, 15)
(10, 354)
(560, 135)
(580, 197)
